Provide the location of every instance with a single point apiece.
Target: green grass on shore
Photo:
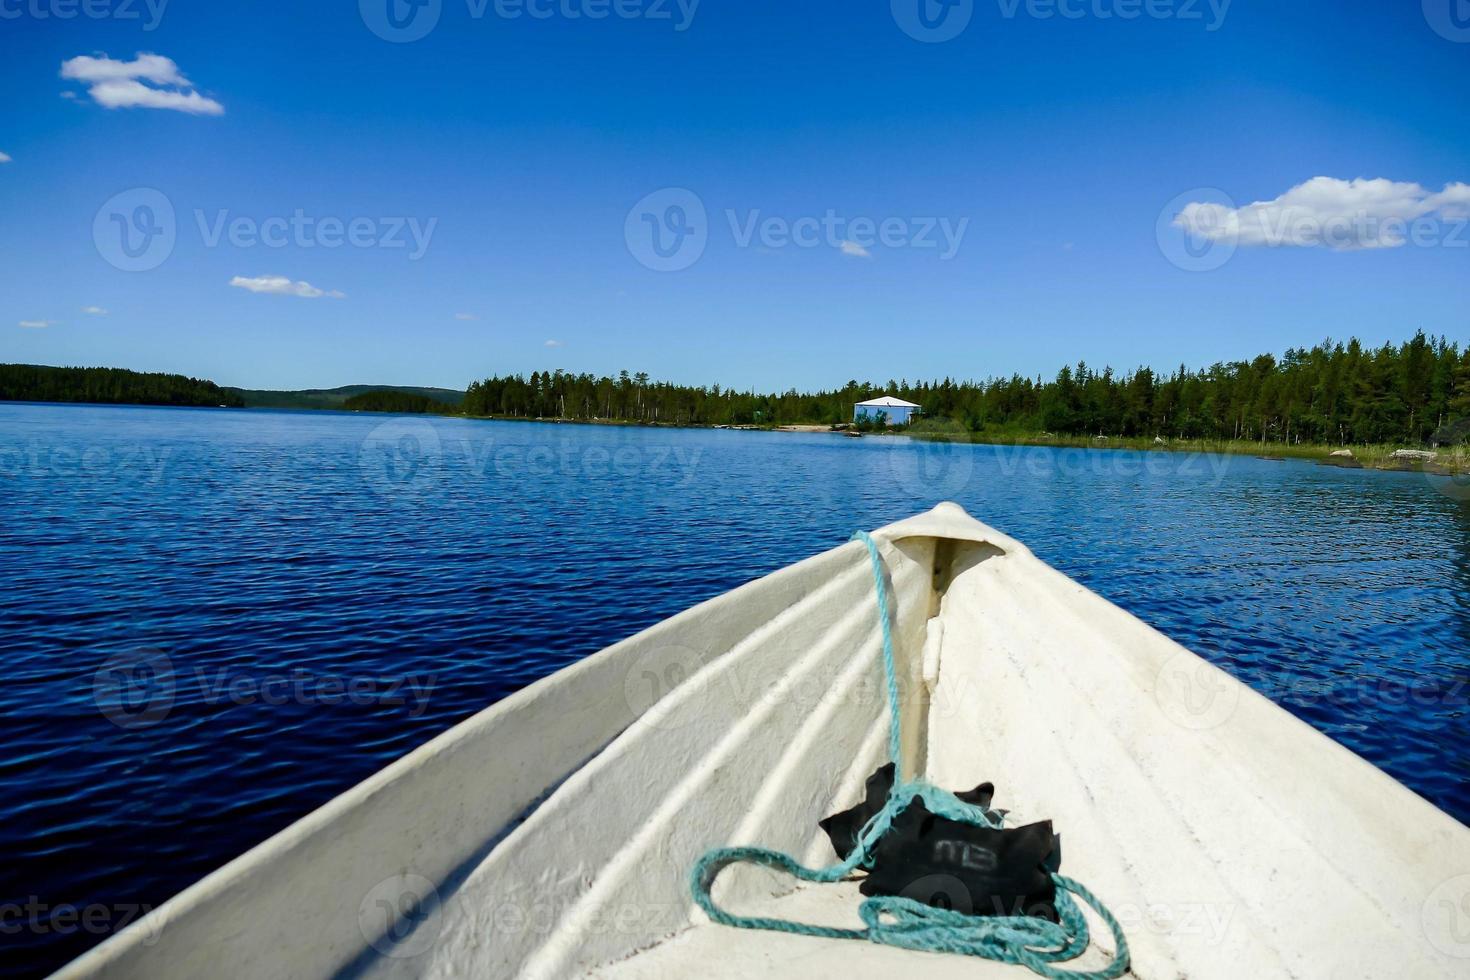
(1449, 459)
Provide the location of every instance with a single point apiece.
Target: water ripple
(268, 561)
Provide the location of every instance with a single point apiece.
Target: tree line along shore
(1309, 402)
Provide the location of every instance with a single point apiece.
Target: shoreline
(1450, 462)
(1453, 461)
(1447, 462)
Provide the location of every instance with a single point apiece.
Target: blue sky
(1060, 148)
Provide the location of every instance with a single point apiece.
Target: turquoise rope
(905, 923)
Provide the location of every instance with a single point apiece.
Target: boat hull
(553, 834)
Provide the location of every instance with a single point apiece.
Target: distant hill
(336, 398)
(110, 386)
(399, 402)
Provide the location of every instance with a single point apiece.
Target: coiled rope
(897, 921)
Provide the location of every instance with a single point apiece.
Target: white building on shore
(895, 410)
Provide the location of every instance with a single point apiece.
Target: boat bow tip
(947, 520)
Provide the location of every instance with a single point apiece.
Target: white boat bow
(553, 834)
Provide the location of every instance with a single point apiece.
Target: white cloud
(118, 84)
(94, 310)
(4, 157)
(1453, 202)
(282, 286)
(1340, 214)
(129, 94)
(149, 67)
(37, 324)
(855, 250)
(465, 316)
(554, 343)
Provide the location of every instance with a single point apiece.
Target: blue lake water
(214, 621)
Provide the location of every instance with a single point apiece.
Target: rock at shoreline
(1413, 455)
(1347, 453)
